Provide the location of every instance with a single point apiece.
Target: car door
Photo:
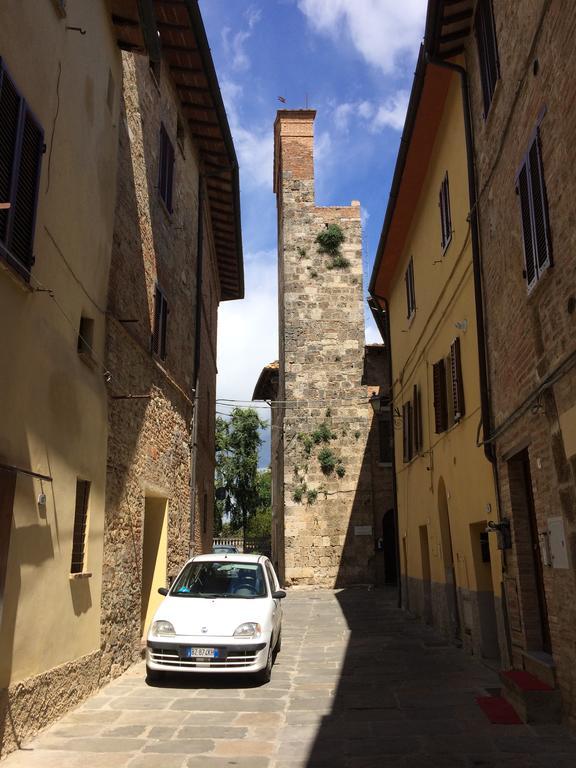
(274, 585)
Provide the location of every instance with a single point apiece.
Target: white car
(221, 614)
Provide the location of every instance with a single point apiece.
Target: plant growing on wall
(329, 241)
(328, 460)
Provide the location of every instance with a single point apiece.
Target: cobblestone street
(357, 684)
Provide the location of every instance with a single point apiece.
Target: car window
(220, 579)
(271, 577)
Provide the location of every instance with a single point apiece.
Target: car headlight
(249, 629)
(163, 628)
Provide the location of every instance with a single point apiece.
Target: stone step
(541, 665)
(534, 700)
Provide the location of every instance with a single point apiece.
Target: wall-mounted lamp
(502, 531)
(462, 325)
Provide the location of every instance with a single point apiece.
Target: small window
(407, 432)
(385, 436)
(166, 172)
(86, 336)
(410, 295)
(80, 526)
(160, 324)
(531, 192)
(21, 148)
(487, 51)
(445, 216)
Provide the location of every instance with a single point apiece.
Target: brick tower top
(294, 145)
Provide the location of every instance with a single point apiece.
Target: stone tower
(321, 461)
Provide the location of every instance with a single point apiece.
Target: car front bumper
(240, 656)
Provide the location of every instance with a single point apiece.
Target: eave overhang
(174, 31)
(448, 25)
(267, 385)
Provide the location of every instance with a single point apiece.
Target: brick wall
(529, 336)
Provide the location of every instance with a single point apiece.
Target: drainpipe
(384, 327)
(196, 372)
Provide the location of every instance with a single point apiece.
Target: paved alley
(357, 684)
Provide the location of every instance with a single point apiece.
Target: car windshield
(220, 579)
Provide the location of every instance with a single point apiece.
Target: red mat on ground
(498, 710)
(525, 681)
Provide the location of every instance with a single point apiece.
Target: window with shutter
(485, 31)
(21, 147)
(531, 191)
(166, 172)
(417, 419)
(445, 215)
(440, 409)
(456, 375)
(160, 324)
(410, 294)
(407, 432)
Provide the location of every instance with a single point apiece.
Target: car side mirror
(162, 591)
(279, 594)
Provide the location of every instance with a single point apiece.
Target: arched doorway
(448, 560)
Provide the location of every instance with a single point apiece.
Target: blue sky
(352, 61)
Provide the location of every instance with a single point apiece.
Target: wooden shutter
(407, 432)
(439, 383)
(539, 206)
(445, 216)
(487, 50)
(526, 214)
(21, 147)
(457, 386)
(531, 191)
(417, 419)
(80, 526)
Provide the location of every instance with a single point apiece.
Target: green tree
(237, 443)
(260, 523)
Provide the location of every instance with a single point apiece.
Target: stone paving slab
(358, 684)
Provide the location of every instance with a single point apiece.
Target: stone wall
(530, 336)
(152, 401)
(328, 515)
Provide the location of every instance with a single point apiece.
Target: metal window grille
(410, 293)
(457, 385)
(440, 400)
(407, 432)
(80, 526)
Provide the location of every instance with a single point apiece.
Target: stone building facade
(176, 184)
(520, 64)
(322, 468)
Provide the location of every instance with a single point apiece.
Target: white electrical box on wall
(557, 543)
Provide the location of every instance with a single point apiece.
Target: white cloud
(372, 333)
(381, 30)
(392, 113)
(234, 43)
(248, 330)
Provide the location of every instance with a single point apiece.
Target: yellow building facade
(60, 83)
(424, 280)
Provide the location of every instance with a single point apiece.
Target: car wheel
(278, 646)
(264, 675)
(154, 675)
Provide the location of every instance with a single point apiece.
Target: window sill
(83, 575)
(534, 290)
(169, 213)
(447, 245)
(14, 273)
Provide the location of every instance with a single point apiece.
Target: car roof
(237, 557)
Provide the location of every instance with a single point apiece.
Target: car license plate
(206, 653)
